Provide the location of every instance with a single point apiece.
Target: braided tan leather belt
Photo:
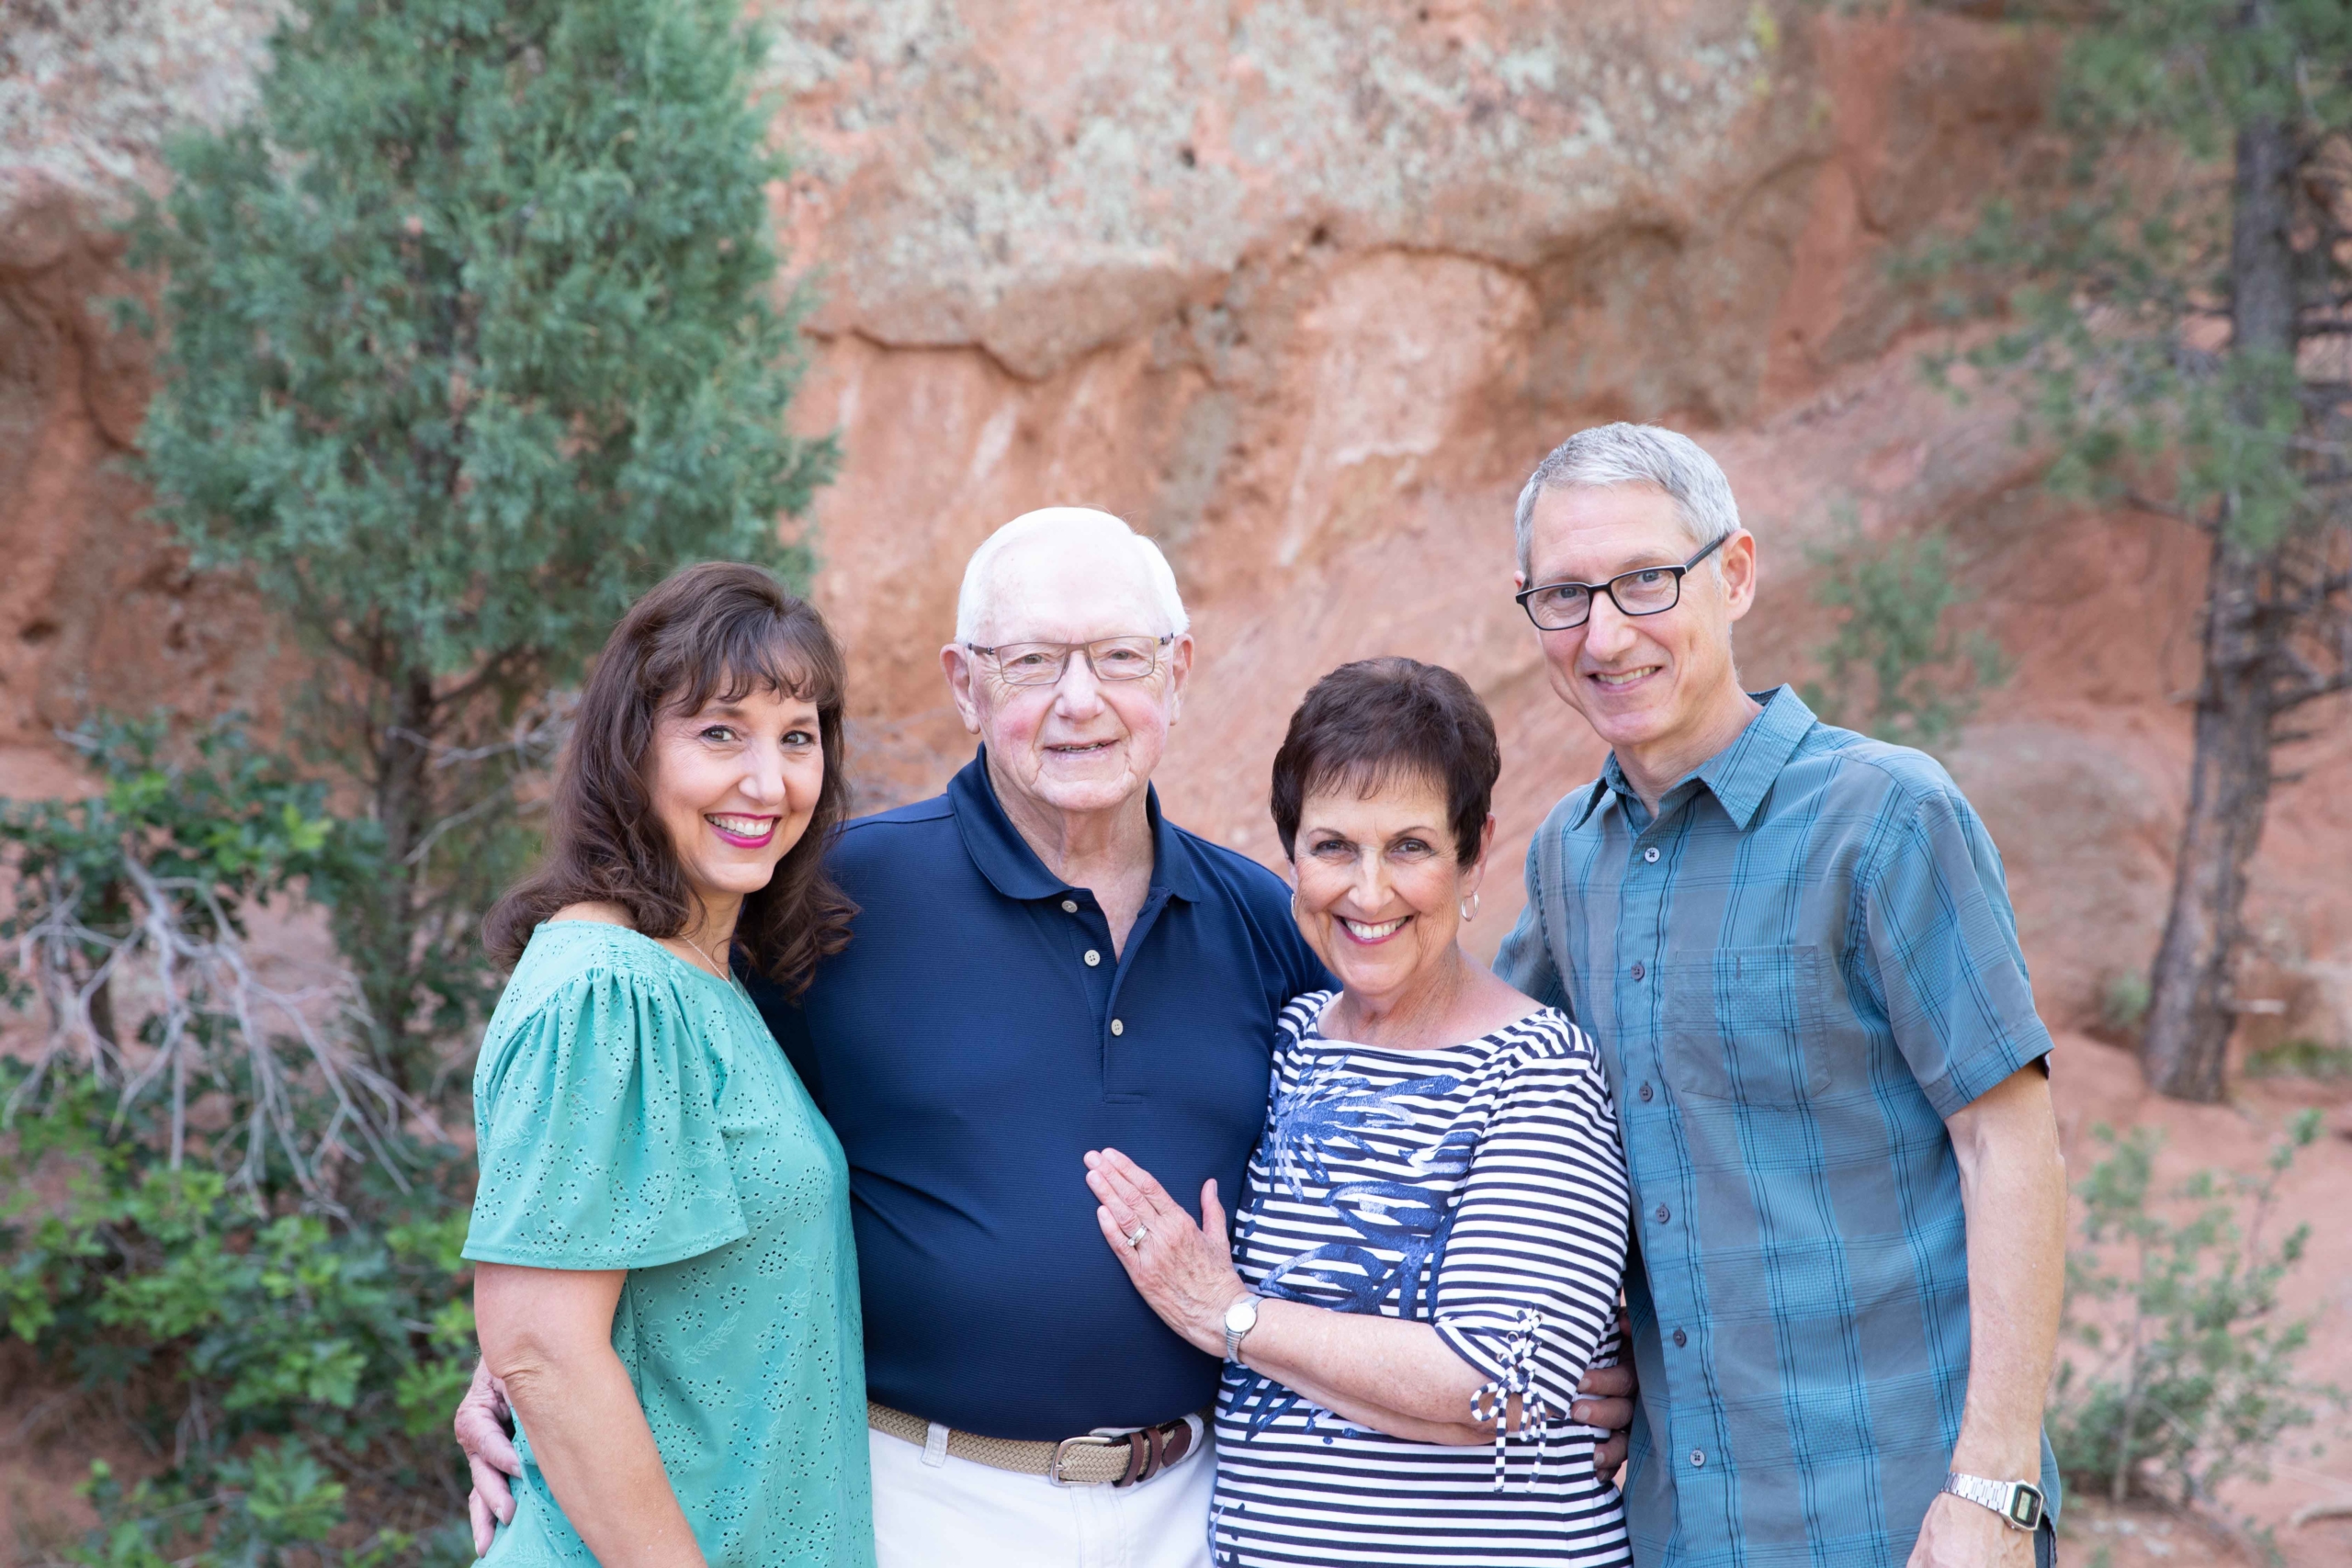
(1089, 1460)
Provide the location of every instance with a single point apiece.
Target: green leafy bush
(1896, 668)
(2123, 1004)
(2190, 1374)
(276, 1360)
(2300, 1058)
(277, 1506)
(218, 1218)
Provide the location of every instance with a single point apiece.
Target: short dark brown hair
(719, 629)
(1380, 719)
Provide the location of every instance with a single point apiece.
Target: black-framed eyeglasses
(1042, 664)
(1645, 590)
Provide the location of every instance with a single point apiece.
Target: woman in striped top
(1430, 1246)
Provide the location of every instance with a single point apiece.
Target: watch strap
(2019, 1503)
(1233, 1336)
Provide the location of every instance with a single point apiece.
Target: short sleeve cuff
(1991, 1063)
(587, 1257)
(1484, 1341)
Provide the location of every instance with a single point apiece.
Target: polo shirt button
(1650, 854)
(1117, 1028)
(1680, 1339)
(1645, 1094)
(1697, 1457)
(1664, 1214)
(1070, 906)
(1092, 958)
(1637, 971)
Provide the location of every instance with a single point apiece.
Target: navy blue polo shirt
(975, 1039)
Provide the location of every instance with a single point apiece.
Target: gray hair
(1636, 454)
(976, 601)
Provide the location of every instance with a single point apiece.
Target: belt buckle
(1053, 1468)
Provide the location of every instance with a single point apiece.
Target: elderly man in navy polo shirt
(1042, 964)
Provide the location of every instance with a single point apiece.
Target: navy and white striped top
(1477, 1187)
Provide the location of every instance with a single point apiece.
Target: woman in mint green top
(667, 1285)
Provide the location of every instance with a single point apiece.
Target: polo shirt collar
(1012, 868)
(1741, 775)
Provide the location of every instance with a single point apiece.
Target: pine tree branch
(491, 672)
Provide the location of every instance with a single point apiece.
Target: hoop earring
(1294, 904)
(1469, 908)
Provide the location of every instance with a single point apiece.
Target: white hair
(1636, 454)
(976, 603)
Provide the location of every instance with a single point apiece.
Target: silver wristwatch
(1240, 1319)
(2018, 1502)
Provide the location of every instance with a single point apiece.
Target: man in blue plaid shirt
(1796, 950)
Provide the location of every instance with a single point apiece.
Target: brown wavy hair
(717, 629)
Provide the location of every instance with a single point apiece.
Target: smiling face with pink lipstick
(701, 782)
(735, 783)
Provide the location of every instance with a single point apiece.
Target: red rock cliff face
(95, 610)
(1305, 289)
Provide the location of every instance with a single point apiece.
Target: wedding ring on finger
(1136, 1241)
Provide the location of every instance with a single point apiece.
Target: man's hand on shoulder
(485, 1431)
(1962, 1534)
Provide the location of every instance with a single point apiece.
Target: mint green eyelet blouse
(634, 1112)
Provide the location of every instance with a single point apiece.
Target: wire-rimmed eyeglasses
(1645, 590)
(1042, 664)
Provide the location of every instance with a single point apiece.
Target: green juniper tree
(2183, 303)
(469, 335)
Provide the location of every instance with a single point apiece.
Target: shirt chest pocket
(1746, 1024)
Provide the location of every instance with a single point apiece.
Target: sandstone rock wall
(95, 610)
(1303, 288)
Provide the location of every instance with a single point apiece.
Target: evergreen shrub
(471, 333)
(1896, 668)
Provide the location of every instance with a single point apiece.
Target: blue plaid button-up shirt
(1794, 972)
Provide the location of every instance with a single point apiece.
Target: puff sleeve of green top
(633, 1112)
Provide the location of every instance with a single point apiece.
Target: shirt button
(1680, 1339)
(1650, 854)
(1697, 1457)
(1637, 971)
(1645, 1094)
(1664, 1214)
(1070, 906)
(1092, 958)
(1117, 1028)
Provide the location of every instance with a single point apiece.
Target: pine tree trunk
(2191, 997)
(404, 812)
(2192, 1004)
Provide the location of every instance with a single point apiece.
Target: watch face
(1242, 1315)
(2025, 1506)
